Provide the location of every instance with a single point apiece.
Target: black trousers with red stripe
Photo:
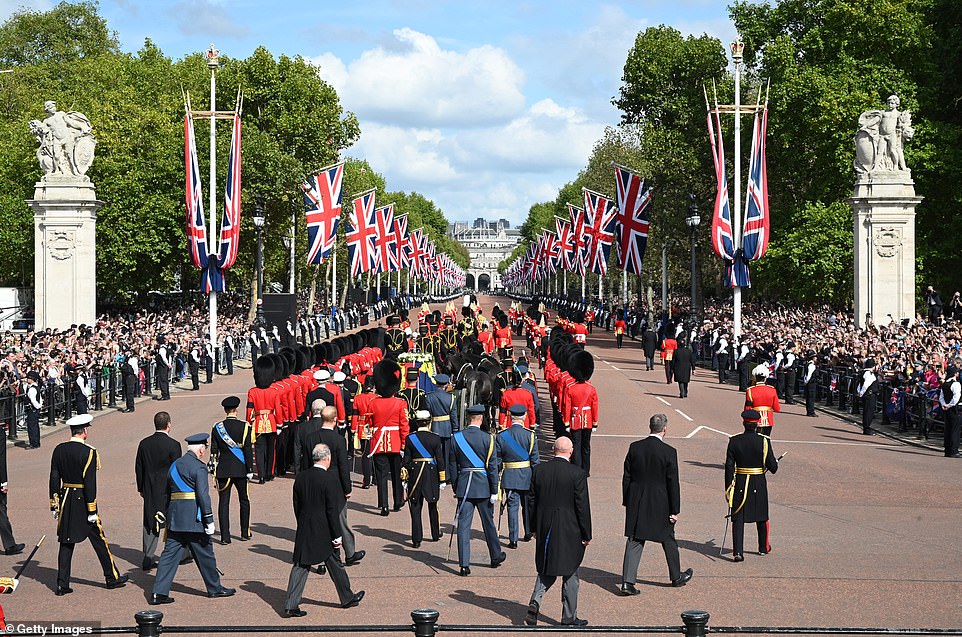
(738, 536)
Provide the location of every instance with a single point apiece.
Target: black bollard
(98, 381)
(51, 400)
(696, 623)
(112, 387)
(425, 622)
(148, 379)
(148, 623)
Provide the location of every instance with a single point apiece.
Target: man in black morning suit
(155, 454)
(10, 545)
(750, 455)
(308, 435)
(339, 468)
(73, 499)
(651, 496)
(233, 451)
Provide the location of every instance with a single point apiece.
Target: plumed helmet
(263, 372)
(581, 365)
(387, 378)
(761, 371)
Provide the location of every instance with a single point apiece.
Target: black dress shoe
(294, 612)
(397, 507)
(416, 545)
(245, 538)
(149, 564)
(765, 551)
(224, 592)
(738, 557)
(496, 562)
(16, 549)
(63, 590)
(629, 589)
(156, 599)
(120, 582)
(438, 536)
(685, 576)
(365, 485)
(531, 618)
(358, 596)
(512, 545)
(384, 512)
(527, 537)
(187, 560)
(354, 559)
(224, 542)
(575, 622)
(465, 571)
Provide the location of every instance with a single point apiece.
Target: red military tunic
(338, 401)
(517, 396)
(580, 332)
(502, 337)
(361, 422)
(389, 424)
(285, 405)
(581, 407)
(487, 341)
(668, 347)
(620, 327)
(261, 407)
(764, 399)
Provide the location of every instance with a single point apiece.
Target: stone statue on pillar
(884, 203)
(65, 209)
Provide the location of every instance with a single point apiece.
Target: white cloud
(410, 80)
(207, 18)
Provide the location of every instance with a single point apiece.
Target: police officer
(518, 452)
(809, 382)
(73, 499)
(423, 457)
(190, 524)
(193, 366)
(33, 405)
(473, 466)
(749, 456)
(163, 360)
(232, 451)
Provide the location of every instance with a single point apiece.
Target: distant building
(488, 244)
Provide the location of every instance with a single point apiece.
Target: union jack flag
(600, 231)
(577, 261)
(566, 243)
(551, 251)
(757, 226)
(634, 200)
(416, 244)
(361, 231)
(402, 239)
(323, 197)
(722, 241)
(196, 224)
(387, 259)
(230, 225)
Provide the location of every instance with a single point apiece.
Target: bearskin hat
(393, 320)
(581, 365)
(318, 353)
(263, 372)
(466, 312)
(305, 356)
(621, 315)
(290, 358)
(503, 320)
(282, 368)
(387, 378)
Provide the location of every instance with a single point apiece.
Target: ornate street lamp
(259, 225)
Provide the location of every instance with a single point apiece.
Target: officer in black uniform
(750, 455)
(412, 394)
(421, 470)
(163, 360)
(193, 366)
(73, 499)
(395, 340)
(129, 380)
(190, 524)
(232, 451)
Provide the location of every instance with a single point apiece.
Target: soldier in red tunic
(389, 430)
(763, 398)
(502, 335)
(516, 395)
(580, 412)
(262, 403)
(620, 327)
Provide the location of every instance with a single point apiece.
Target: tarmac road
(864, 529)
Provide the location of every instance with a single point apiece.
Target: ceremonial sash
(419, 447)
(234, 449)
(470, 455)
(181, 485)
(516, 447)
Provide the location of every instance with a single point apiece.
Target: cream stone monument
(65, 209)
(884, 203)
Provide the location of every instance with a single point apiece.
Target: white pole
(212, 63)
(601, 292)
(293, 232)
(566, 282)
(334, 275)
(583, 284)
(737, 291)
(624, 288)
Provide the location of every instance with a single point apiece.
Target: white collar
(659, 436)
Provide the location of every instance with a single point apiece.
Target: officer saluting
(518, 451)
(750, 455)
(232, 451)
(473, 467)
(423, 456)
(73, 498)
(190, 524)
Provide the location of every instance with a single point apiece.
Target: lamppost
(664, 275)
(259, 225)
(692, 221)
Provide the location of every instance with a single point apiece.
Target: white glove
(444, 485)
(494, 498)
(250, 476)
(92, 518)
(209, 529)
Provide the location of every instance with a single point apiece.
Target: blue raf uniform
(444, 415)
(517, 449)
(190, 525)
(473, 468)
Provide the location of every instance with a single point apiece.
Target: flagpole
(334, 274)
(213, 61)
(293, 235)
(566, 281)
(624, 288)
(737, 48)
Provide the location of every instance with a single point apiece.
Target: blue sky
(484, 107)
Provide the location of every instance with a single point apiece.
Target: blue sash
(181, 485)
(514, 445)
(419, 447)
(234, 448)
(473, 459)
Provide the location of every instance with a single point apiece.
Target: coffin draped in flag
(634, 203)
(722, 235)
(757, 218)
(599, 230)
(360, 235)
(323, 199)
(385, 240)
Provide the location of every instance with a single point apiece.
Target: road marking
(685, 416)
(663, 400)
(700, 427)
(614, 368)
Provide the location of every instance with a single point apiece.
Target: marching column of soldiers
(448, 401)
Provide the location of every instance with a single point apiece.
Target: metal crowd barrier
(424, 623)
